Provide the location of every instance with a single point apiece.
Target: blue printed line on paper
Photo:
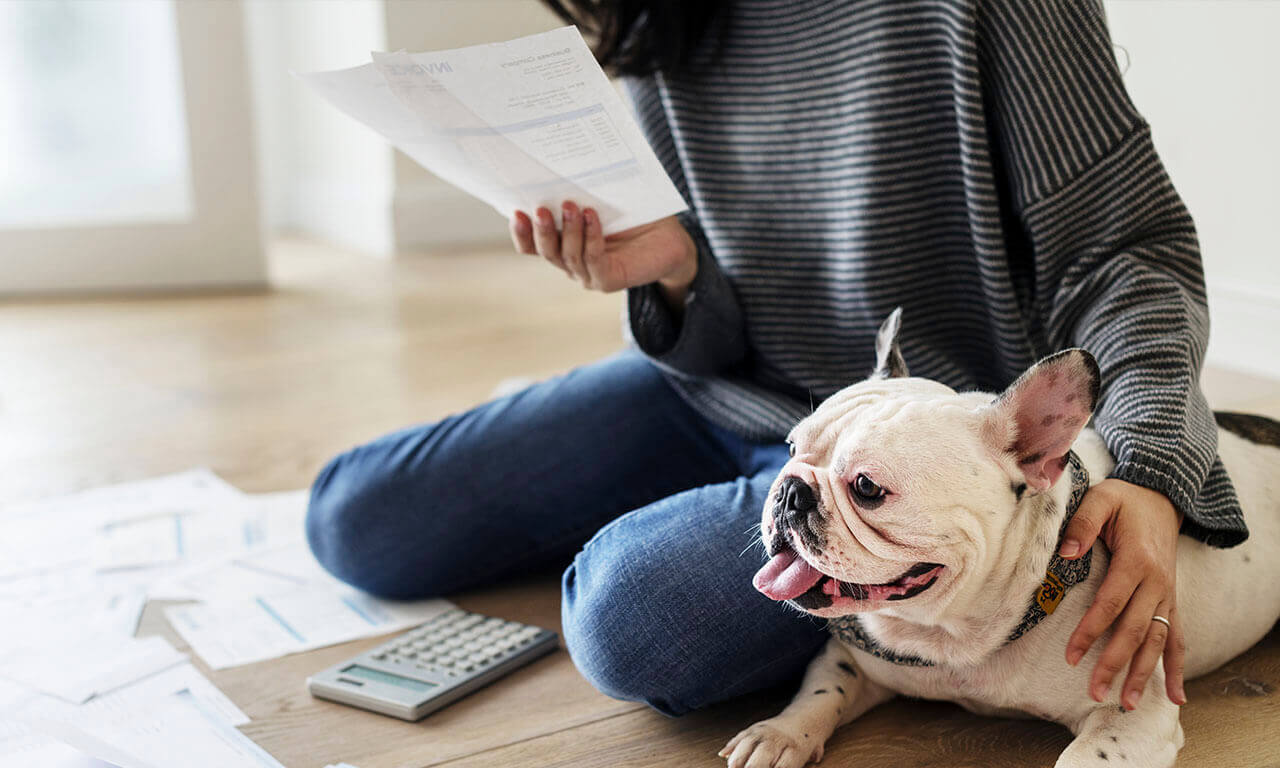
(280, 619)
(361, 612)
(524, 125)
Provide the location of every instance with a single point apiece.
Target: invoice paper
(235, 631)
(76, 666)
(176, 718)
(526, 123)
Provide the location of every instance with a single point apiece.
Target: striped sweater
(977, 162)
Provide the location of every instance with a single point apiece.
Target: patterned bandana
(1060, 576)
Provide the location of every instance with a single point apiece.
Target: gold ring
(1163, 621)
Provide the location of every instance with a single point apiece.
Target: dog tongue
(785, 576)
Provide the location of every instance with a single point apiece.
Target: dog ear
(889, 362)
(1040, 415)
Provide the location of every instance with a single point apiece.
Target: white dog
(924, 524)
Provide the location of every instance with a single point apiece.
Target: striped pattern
(977, 162)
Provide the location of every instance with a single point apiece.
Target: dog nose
(796, 496)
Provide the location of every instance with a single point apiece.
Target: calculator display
(378, 676)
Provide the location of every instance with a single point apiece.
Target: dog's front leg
(834, 692)
(1148, 737)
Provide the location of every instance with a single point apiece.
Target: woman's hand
(659, 252)
(1140, 526)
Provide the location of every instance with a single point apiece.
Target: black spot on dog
(847, 667)
(820, 690)
(1019, 489)
(1247, 687)
(1255, 429)
(1102, 754)
(806, 735)
(813, 599)
(841, 690)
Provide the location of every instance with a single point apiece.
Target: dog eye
(865, 488)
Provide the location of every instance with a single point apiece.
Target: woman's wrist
(674, 286)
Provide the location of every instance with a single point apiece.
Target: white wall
(428, 212)
(1206, 75)
(321, 172)
(326, 175)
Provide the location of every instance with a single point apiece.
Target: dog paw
(768, 744)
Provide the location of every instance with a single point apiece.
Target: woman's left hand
(1140, 526)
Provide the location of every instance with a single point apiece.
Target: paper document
(77, 666)
(175, 718)
(235, 631)
(526, 123)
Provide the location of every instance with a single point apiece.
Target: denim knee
(609, 643)
(333, 526)
(355, 528)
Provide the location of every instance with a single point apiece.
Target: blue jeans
(608, 471)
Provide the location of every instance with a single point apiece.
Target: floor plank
(264, 387)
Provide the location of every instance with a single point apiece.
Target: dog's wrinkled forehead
(870, 401)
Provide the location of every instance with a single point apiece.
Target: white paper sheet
(526, 123)
(78, 665)
(231, 632)
(168, 720)
(96, 526)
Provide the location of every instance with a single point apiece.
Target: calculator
(432, 665)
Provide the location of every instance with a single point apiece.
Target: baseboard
(431, 214)
(1244, 328)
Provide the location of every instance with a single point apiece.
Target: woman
(977, 162)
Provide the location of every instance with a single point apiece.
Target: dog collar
(1060, 576)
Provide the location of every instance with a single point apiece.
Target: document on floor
(525, 123)
(267, 572)
(173, 718)
(89, 521)
(77, 666)
(233, 631)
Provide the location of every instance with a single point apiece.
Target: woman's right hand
(659, 252)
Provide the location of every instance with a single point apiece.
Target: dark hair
(638, 37)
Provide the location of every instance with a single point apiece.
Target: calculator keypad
(457, 643)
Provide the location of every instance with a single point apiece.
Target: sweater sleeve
(709, 336)
(1117, 262)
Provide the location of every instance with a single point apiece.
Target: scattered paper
(98, 526)
(79, 666)
(206, 527)
(231, 632)
(526, 123)
(167, 720)
(78, 691)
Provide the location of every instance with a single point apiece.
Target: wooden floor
(263, 388)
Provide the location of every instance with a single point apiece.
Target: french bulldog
(923, 523)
